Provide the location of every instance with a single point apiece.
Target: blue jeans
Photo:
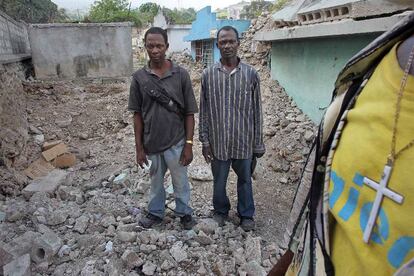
(245, 202)
(169, 159)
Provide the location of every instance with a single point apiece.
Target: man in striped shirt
(231, 126)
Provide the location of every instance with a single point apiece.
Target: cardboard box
(65, 160)
(54, 152)
(38, 168)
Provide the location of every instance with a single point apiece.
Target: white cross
(382, 191)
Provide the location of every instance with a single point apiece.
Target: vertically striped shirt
(231, 120)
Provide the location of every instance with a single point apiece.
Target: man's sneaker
(188, 222)
(149, 221)
(220, 219)
(247, 224)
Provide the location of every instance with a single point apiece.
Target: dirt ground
(94, 217)
(100, 130)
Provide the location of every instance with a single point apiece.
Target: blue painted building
(203, 35)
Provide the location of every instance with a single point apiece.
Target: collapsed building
(312, 40)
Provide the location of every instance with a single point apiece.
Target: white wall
(67, 51)
(175, 38)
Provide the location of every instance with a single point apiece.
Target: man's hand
(141, 157)
(208, 156)
(186, 155)
(258, 154)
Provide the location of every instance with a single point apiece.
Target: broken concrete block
(70, 193)
(39, 139)
(47, 184)
(22, 244)
(18, 267)
(131, 259)
(81, 224)
(42, 267)
(45, 247)
(127, 236)
(5, 256)
(57, 217)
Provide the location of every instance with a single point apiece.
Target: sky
(73, 5)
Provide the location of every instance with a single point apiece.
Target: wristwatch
(189, 142)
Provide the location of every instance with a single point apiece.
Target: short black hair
(228, 28)
(156, 30)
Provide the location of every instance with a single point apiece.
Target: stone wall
(14, 42)
(14, 127)
(69, 51)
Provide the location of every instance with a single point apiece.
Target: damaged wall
(67, 51)
(14, 40)
(14, 126)
(307, 69)
(14, 48)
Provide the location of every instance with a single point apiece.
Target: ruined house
(313, 39)
(175, 32)
(203, 35)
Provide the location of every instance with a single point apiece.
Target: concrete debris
(109, 247)
(201, 173)
(178, 251)
(253, 249)
(131, 259)
(93, 207)
(47, 184)
(149, 268)
(81, 224)
(252, 268)
(127, 236)
(5, 257)
(207, 226)
(18, 267)
(45, 247)
(21, 245)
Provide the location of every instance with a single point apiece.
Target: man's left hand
(186, 155)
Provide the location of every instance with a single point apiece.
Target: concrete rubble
(83, 220)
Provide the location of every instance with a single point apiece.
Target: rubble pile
(82, 220)
(81, 227)
(288, 133)
(256, 53)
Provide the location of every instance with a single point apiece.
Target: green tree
(179, 16)
(147, 12)
(278, 5)
(31, 11)
(150, 8)
(255, 9)
(112, 11)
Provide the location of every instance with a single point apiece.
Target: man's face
(156, 47)
(227, 43)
